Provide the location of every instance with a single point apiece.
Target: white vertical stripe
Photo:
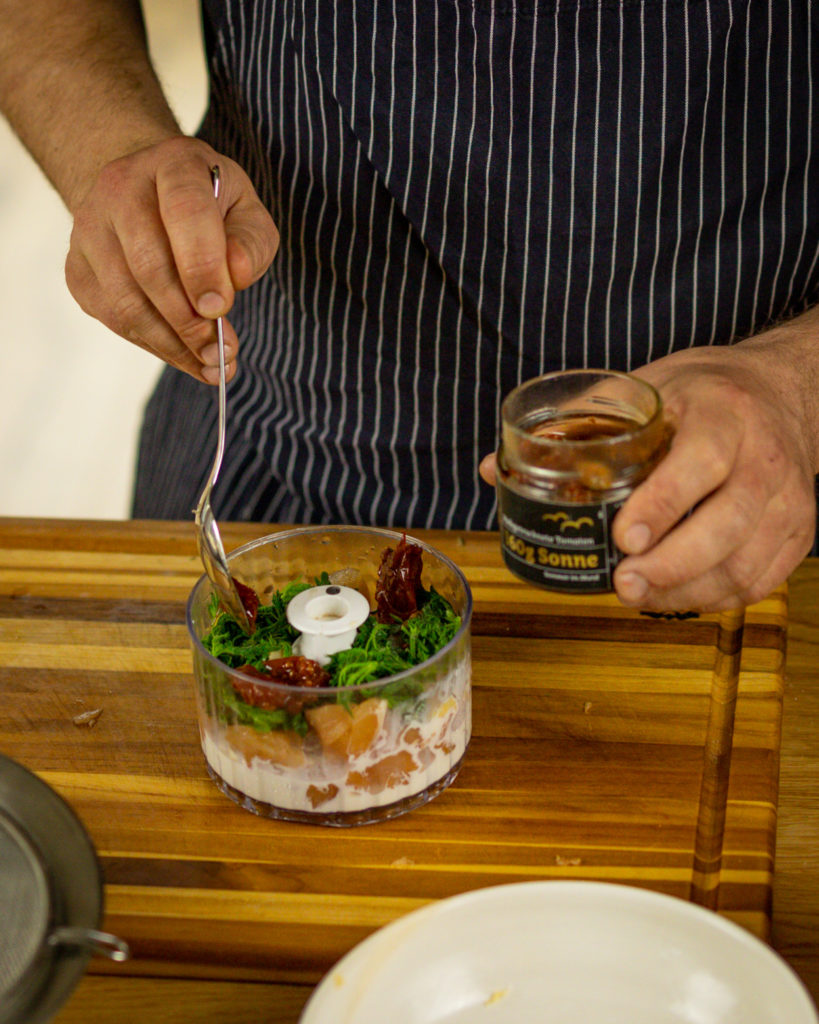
(345, 326)
(504, 258)
(487, 190)
(657, 241)
(806, 178)
(673, 319)
(501, 335)
(325, 324)
(695, 311)
(253, 385)
(419, 332)
(307, 425)
(445, 219)
(786, 181)
(718, 241)
(744, 201)
(363, 478)
(262, 89)
(379, 356)
(760, 262)
(635, 251)
(593, 226)
(303, 417)
(246, 387)
(528, 222)
(459, 324)
(336, 424)
(286, 337)
(549, 204)
(401, 301)
(572, 182)
(616, 217)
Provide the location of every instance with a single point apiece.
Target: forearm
(77, 86)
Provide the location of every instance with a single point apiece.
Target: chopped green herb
(233, 710)
(379, 650)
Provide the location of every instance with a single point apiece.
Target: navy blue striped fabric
(468, 195)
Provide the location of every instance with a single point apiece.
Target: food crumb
(402, 862)
(87, 718)
(570, 862)
(587, 707)
(496, 996)
(338, 980)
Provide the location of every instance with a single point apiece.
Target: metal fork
(208, 538)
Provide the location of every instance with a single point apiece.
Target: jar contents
(574, 445)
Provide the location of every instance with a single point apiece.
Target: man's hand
(156, 258)
(742, 463)
(730, 511)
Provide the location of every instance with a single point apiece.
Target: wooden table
(586, 762)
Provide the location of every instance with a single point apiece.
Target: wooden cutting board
(589, 727)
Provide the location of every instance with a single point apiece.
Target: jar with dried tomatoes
(574, 445)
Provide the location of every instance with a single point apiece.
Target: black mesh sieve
(25, 906)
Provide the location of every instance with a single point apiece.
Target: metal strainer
(50, 899)
(24, 906)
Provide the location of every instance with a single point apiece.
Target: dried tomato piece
(398, 587)
(250, 601)
(295, 671)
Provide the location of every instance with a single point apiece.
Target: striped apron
(471, 193)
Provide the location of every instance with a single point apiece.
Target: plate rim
(321, 998)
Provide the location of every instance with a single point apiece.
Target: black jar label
(559, 546)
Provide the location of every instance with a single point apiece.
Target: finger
(151, 261)
(209, 355)
(718, 526)
(252, 240)
(701, 458)
(672, 572)
(195, 229)
(717, 590)
(134, 318)
(487, 469)
(104, 288)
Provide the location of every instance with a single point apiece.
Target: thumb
(487, 469)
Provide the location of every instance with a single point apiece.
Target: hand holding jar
(730, 510)
(743, 460)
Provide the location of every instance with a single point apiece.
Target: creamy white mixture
(412, 750)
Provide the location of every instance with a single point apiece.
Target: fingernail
(631, 586)
(210, 304)
(637, 539)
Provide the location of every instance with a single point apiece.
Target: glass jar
(341, 755)
(574, 445)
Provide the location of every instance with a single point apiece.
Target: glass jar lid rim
(548, 412)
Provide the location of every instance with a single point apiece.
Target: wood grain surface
(589, 726)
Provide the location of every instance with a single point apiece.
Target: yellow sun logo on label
(566, 523)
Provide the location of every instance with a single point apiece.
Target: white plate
(561, 953)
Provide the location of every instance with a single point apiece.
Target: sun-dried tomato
(398, 587)
(296, 671)
(250, 601)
